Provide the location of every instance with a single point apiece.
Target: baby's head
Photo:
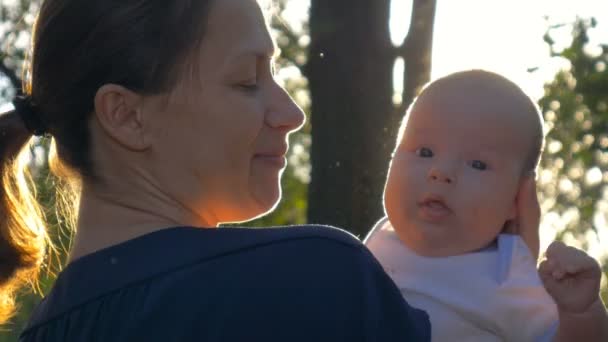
(465, 146)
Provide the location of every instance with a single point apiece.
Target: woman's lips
(278, 161)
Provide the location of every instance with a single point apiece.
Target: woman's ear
(119, 112)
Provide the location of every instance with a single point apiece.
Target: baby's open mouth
(434, 208)
(435, 204)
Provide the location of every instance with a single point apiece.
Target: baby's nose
(437, 175)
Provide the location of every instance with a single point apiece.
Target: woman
(168, 115)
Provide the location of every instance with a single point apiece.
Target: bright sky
(505, 36)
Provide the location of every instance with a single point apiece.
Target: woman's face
(222, 134)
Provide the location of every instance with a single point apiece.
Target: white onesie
(491, 295)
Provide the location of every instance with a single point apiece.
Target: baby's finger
(558, 274)
(580, 262)
(568, 259)
(553, 269)
(554, 255)
(545, 273)
(545, 269)
(555, 249)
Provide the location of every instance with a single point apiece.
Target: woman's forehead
(237, 28)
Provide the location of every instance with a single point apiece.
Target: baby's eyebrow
(495, 147)
(488, 151)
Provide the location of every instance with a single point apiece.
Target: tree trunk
(354, 121)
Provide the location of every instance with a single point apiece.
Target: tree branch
(11, 75)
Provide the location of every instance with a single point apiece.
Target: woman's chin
(258, 206)
(266, 200)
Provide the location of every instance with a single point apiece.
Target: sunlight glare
(398, 77)
(400, 20)
(593, 176)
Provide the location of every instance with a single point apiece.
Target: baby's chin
(433, 245)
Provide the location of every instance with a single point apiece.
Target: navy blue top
(306, 283)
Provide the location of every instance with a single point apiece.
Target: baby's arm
(572, 278)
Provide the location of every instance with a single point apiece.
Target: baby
(464, 163)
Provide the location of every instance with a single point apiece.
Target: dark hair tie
(29, 114)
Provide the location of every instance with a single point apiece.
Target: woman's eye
(424, 152)
(479, 165)
(250, 87)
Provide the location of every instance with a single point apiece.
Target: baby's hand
(571, 277)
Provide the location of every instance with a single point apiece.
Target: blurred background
(355, 65)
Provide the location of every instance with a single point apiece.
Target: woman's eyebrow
(265, 50)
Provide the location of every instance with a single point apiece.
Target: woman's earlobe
(119, 112)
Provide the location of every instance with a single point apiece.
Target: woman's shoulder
(305, 232)
(282, 241)
(311, 240)
(197, 252)
(282, 274)
(311, 247)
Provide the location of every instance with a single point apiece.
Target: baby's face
(455, 175)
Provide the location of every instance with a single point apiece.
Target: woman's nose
(440, 175)
(284, 112)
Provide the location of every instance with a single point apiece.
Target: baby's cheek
(494, 212)
(397, 195)
(392, 194)
(405, 179)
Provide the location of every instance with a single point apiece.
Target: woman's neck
(107, 218)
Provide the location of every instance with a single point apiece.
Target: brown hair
(78, 46)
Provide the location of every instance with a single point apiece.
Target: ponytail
(23, 234)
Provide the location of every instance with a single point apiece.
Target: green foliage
(16, 18)
(574, 169)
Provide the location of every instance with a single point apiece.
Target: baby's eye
(424, 152)
(479, 165)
